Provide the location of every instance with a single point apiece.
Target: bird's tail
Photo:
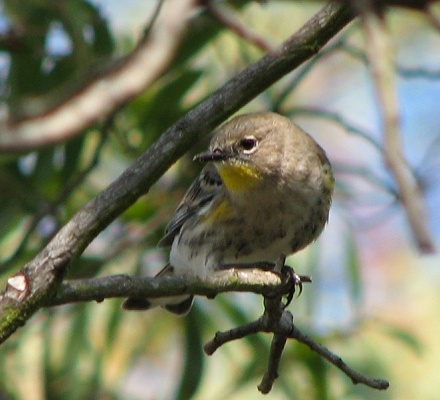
(179, 305)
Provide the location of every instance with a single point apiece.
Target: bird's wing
(199, 194)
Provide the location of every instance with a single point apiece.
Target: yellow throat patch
(238, 177)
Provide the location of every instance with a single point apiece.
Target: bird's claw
(293, 280)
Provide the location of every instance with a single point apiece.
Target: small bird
(264, 194)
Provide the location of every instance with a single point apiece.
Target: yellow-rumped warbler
(264, 194)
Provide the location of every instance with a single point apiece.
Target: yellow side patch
(329, 180)
(239, 177)
(220, 213)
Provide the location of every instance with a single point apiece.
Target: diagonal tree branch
(37, 282)
(355, 376)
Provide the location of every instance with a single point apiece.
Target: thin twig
(380, 56)
(402, 71)
(222, 338)
(271, 374)
(149, 28)
(340, 120)
(283, 328)
(432, 15)
(337, 361)
(226, 18)
(277, 103)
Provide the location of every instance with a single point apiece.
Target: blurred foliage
(48, 50)
(42, 68)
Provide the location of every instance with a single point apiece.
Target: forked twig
(279, 321)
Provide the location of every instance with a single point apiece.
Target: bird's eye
(248, 144)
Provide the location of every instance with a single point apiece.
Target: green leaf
(354, 271)
(73, 150)
(404, 336)
(194, 357)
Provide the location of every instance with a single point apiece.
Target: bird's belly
(188, 254)
(204, 249)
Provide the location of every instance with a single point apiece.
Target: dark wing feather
(198, 195)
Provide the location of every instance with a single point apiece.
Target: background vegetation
(374, 296)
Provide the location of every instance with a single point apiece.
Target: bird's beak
(214, 155)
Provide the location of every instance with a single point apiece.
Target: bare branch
(340, 120)
(98, 289)
(107, 91)
(271, 374)
(222, 338)
(337, 361)
(228, 20)
(402, 71)
(45, 272)
(380, 56)
(432, 16)
(278, 321)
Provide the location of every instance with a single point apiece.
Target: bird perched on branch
(264, 194)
